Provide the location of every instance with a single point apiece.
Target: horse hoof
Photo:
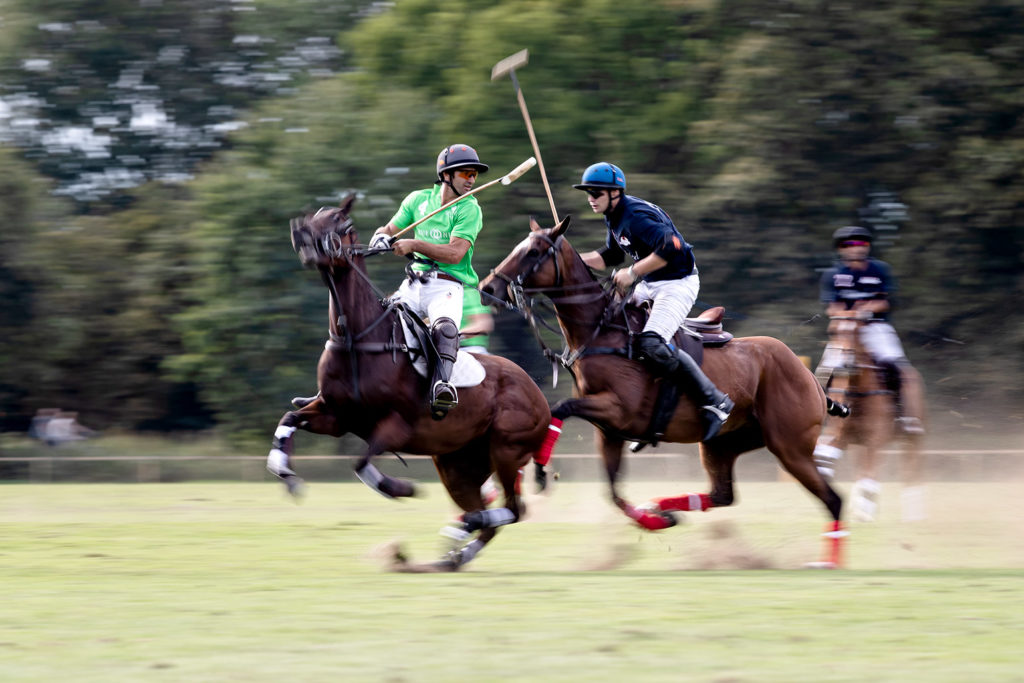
(657, 521)
(398, 488)
(295, 485)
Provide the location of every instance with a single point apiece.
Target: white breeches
(433, 299)
(881, 342)
(671, 303)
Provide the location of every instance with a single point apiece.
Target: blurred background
(152, 153)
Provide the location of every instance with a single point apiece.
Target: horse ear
(562, 226)
(347, 202)
(534, 225)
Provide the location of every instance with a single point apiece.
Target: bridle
(560, 293)
(333, 246)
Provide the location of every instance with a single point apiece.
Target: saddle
(467, 371)
(704, 330)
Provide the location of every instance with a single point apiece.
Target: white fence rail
(966, 464)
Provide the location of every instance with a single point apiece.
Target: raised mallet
(509, 66)
(506, 179)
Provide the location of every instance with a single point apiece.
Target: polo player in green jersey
(442, 250)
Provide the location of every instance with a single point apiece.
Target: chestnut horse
(369, 387)
(779, 404)
(849, 375)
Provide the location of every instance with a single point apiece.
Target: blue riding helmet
(602, 176)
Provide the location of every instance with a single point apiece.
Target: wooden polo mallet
(509, 66)
(506, 179)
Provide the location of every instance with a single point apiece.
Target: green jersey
(472, 305)
(461, 220)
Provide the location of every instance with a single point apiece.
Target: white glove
(380, 240)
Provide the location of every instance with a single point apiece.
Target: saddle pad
(467, 372)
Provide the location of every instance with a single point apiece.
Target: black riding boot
(442, 392)
(678, 365)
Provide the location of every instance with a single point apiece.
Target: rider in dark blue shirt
(866, 285)
(663, 273)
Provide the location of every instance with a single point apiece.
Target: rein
(332, 245)
(525, 304)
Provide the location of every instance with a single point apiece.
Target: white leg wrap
(825, 458)
(277, 463)
(470, 550)
(865, 500)
(372, 477)
(498, 517)
(283, 432)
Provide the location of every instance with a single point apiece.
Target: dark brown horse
(369, 387)
(850, 376)
(779, 404)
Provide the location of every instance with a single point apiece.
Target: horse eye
(533, 252)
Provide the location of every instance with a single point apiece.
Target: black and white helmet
(457, 156)
(851, 232)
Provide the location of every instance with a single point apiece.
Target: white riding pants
(433, 298)
(671, 301)
(881, 342)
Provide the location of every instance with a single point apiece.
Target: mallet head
(510, 64)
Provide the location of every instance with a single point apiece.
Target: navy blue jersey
(639, 228)
(848, 286)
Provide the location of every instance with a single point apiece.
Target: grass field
(232, 582)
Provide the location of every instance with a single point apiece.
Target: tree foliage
(760, 126)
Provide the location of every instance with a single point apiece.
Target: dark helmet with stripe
(457, 156)
(602, 176)
(851, 232)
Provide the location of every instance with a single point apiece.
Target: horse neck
(578, 319)
(358, 301)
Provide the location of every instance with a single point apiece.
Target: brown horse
(849, 375)
(779, 404)
(369, 387)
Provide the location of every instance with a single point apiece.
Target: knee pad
(444, 328)
(651, 348)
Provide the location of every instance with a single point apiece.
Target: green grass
(232, 582)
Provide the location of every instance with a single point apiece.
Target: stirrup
(443, 398)
(716, 415)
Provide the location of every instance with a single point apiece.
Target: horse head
(533, 264)
(325, 238)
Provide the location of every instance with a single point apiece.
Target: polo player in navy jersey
(664, 273)
(864, 284)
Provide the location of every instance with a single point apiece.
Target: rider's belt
(440, 275)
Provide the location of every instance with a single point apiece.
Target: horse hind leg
(797, 457)
(462, 474)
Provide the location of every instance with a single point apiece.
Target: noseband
(516, 286)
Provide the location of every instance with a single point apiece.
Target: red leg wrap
(697, 502)
(543, 456)
(834, 535)
(647, 520)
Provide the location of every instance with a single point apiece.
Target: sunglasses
(593, 192)
(854, 243)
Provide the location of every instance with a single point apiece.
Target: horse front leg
(311, 418)
(389, 435)
(610, 448)
(598, 408)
